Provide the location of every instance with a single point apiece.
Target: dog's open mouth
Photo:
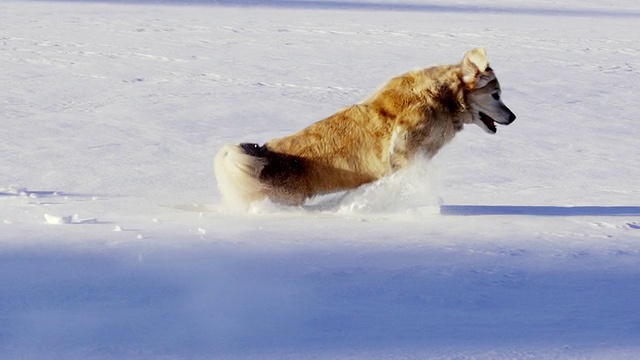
(488, 122)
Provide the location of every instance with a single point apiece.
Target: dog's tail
(237, 169)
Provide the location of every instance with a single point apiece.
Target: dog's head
(483, 93)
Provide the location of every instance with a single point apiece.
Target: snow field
(524, 244)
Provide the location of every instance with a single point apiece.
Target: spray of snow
(410, 191)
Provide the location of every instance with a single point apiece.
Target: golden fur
(415, 113)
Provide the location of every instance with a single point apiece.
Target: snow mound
(68, 219)
(58, 220)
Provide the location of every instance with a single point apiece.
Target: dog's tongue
(488, 122)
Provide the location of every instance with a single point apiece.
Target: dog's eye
(496, 96)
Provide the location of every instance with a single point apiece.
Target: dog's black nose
(512, 117)
(254, 149)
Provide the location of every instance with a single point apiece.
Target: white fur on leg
(238, 177)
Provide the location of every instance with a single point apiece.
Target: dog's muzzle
(512, 117)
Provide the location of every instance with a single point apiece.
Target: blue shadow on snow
(406, 7)
(476, 210)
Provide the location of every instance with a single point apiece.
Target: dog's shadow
(478, 210)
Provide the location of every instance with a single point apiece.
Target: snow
(522, 244)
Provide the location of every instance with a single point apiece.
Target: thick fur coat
(415, 113)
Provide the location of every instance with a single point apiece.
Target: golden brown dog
(415, 113)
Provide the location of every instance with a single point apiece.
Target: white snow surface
(113, 245)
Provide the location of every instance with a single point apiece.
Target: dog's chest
(427, 138)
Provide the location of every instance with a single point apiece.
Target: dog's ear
(474, 63)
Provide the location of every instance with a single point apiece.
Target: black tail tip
(254, 149)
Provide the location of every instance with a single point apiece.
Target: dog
(416, 113)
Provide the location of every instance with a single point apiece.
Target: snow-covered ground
(525, 244)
